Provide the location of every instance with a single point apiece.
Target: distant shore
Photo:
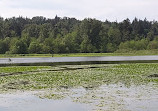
(118, 53)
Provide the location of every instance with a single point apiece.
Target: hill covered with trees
(69, 35)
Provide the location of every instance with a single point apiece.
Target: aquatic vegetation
(87, 76)
(117, 97)
(103, 86)
(20, 69)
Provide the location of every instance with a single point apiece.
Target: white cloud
(99, 9)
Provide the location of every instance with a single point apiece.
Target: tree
(91, 28)
(134, 45)
(32, 30)
(44, 32)
(126, 29)
(70, 45)
(86, 46)
(34, 47)
(104, 39)
(38, 20)
(3, 47)
(68, 35)
(47, 46)
(19, 47)
(153, 44)
(111, 47)
(114, 36)
(59, 46)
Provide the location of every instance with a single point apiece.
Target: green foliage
(153, 44)
(84, 76)
(68, 35)
(59, 46)
(86, 46)
(111, 47)
(34, 47)
(3, 46)
(134, 45)
(114, 35)
(19, 47)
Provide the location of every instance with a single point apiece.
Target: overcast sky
(100, 9)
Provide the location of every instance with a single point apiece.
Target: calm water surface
(27, 101)
(78, 59)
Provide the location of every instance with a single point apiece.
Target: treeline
(69, 35)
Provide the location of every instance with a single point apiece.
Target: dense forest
(19, 35)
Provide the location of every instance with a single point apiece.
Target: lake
(77, 60)
(105, 98)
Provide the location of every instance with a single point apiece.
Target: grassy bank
(87, 76)
(117, 53)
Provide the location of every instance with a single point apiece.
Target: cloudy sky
(100, 9)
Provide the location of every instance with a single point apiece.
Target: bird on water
(10, 59)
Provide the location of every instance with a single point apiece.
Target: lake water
(73, 60)
(26, 101)
(113, 97)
